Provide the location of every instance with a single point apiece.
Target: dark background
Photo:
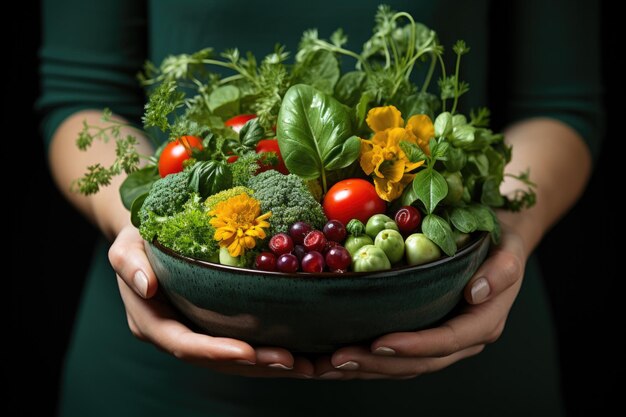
(51, 247)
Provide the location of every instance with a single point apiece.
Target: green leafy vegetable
(315, 134)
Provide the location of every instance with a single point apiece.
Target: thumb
(128, 258)
(503, 267)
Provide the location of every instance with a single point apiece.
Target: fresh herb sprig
(127, 158)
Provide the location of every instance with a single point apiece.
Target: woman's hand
(153, 320)
(490, 294)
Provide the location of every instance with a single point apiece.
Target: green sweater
(531, 59)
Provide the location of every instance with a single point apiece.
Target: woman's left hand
(490, 294)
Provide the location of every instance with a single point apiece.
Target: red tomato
(271, 145)
(237, 122)
(232, 158)
(175, 153)
(353, 198)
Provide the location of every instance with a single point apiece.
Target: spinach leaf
(319, 69)
(349, 88)
(135, 207)
(137, 183)
(209, 177)
(224, 101)
(315, 133)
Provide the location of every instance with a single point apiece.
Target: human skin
(559, 163)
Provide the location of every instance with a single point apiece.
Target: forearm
(68, 163)
(560, 165)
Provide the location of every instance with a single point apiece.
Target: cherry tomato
(271, 145)
(232, 158)
(408, 219)
(237, 122)
(353, 198)
(176, 152)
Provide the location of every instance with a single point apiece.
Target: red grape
(313, 261)
(298, 231)
(287, 263)
(335, 230)
(315, 240)
(299, 251)
(265, 261)
(338, 259)
(281, 243)
(408, 219)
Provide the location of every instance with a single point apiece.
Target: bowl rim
(475, 242)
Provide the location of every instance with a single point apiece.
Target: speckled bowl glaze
(313, 312)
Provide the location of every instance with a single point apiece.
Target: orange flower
(382, 156)
(238, 223)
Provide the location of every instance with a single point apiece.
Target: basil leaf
(490, 195)
(349, 87)
(443, 124)
(362, 107)
(224, 100)
(209, 177)
(484, 217)
(430, 187)
(439, 231)
(251, 133)
(314, 133)
(462, 136)
(420, 103)
(455, 159)
(137, 183)
(413, 152)
(464, 220)
(319, 69)
(478, 164)
(135, 207)
(408, 196)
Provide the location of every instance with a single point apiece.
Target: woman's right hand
(152, 319)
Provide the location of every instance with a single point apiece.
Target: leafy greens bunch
(322, 120)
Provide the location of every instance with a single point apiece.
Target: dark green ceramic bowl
(313, 312)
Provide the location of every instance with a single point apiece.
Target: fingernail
(141, 283)
(244, 362)
(331, 375)
(384, 351)
(280, 366)
(348, 366)
(480, 290)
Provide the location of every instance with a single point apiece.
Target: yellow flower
(382, 156)
(238, 223)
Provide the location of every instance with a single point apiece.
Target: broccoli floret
(289, 200)
(187, 232)
(212, 200)
(167, 195)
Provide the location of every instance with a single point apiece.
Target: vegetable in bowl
(278, 143)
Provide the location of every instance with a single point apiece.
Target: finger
(277, 358)
(128, 258)
(360, 363)
(158, 323)
(479, 324)
(503, 268)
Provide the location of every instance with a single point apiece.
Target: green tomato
(379, 222)
(420, 249)
(455, 188)
(461, 238)
(392, 243)
(354, 243)
(370, 258)
(226, 259)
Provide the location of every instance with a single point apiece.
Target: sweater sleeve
(553, 65)
(91, 53)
